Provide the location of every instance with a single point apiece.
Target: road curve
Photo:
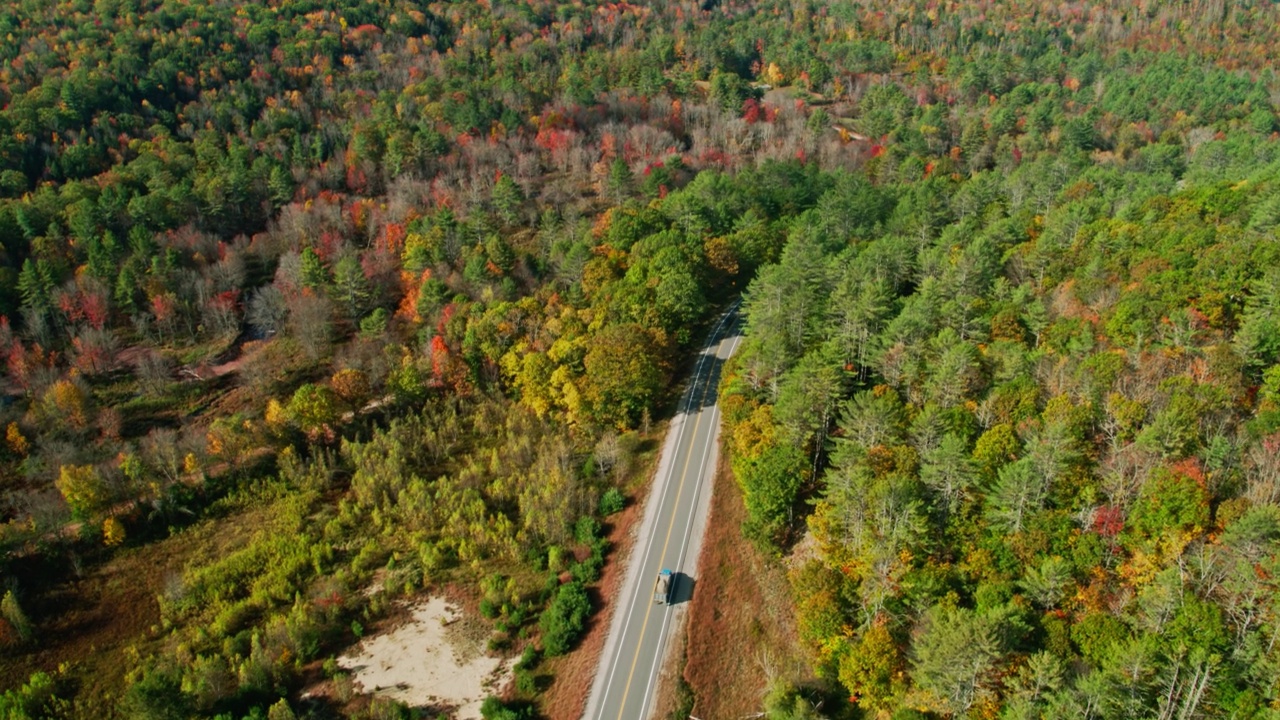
(670, 532)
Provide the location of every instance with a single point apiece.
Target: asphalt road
(670, 534)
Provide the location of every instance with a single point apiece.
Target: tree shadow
(704, 392)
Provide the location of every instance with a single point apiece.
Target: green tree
(807, 397)
(996, 448)
(1175, 430)
(787, 702)
(858, 311)
(730, 91)
(873, 417)
(281, 185)
(1169, 504)
(281, 711)
(1048, 583)
(37, 699)
(431, 297)
(157, 695)
(620, 183)
(507, 199)
(314, 274)
(36, 284)
(851, 210)
(351, 288)
(884, 109)
(1019, 492)
(770, 484)
(948, 472)
(621, 377)
(313, 408)
(1258, 338)
(956, 657)
(784, 308)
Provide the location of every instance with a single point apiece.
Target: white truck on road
(662, 589)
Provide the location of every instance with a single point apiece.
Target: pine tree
(620, 181)
(280, 183)
(350, 286)
(314, 274)
(36, 285)
(17, 618)
(507, 199)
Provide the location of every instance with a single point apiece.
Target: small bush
(344, 687)
(526, 683)
(587, 530)
(588, 571)
(13, 613)
(528, 659)
(495, 709)
(612, 502)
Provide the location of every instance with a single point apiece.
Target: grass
(97, 622)
(742, 632)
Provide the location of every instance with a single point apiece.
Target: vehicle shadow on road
(683, 591)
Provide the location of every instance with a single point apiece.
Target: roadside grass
(741, 626)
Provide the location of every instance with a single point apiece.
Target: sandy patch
(423, 663)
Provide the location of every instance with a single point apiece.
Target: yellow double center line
(670, 526)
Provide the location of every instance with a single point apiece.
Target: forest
(302, 299)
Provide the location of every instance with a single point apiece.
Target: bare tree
(153, 371)
(311, 323)
(1262, 471)
(267, 310)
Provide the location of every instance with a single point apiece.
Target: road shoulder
(741, 621)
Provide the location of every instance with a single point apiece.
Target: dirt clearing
(422, 664)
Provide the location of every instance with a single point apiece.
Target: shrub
(586, 530)
(564, 620)
(528, 659)
(113, 532)
(15, 616)
(495, 709)
(526, 682)
(588, 571)
(36, 699)
(612, 502)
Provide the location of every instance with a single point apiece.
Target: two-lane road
(674, 519)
